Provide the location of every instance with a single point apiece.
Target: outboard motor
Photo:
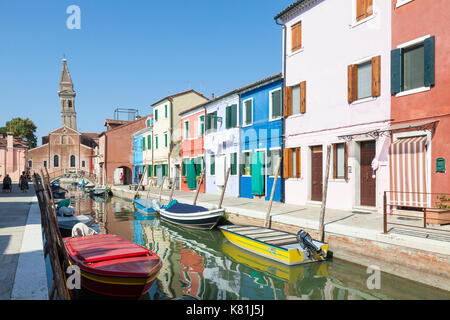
(307, 243)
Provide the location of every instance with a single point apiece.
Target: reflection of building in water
(192, 273)
(120, 223)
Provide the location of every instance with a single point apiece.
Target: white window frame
(271, 118)
(406, 45)
(360, 62)
(244, 113)
(251, 152)
(281, 156)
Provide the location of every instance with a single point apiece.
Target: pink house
(13, 157)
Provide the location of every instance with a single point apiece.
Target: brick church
(65, 147)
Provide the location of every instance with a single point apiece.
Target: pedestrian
(122, 178)
(7, 183)
(23, 182)
(139, 177)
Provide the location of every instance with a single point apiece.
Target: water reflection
(203, 265)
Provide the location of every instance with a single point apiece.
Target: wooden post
(140, 181)
(384, 213)
(198, 188)
(224, 188)
(160, 190)
(272, 194)
(171, 189)
(324, 196)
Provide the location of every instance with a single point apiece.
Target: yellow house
(167, 134)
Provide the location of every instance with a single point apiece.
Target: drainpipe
(171, 141)
(283, 84)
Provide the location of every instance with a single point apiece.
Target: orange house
(192, 148)
(420, 103)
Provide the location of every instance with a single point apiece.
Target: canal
(203, 265)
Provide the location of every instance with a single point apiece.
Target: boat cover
(185, 208)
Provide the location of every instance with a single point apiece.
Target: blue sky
(129, 54)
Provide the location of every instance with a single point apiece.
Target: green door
(258, 173)
(191, 175)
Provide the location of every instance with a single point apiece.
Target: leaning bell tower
(67, 98)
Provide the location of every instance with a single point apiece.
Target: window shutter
(298, 162)
(303, 97)
(156, 115)
(228, 117)
(352, 83)
(376, 76)
(296, 34)
(429, 47)
(360, 6)
(143, 144)
(248, 111)
(234, 115)
(334, 160)
(154, 170)
(212, 165)
(234, 163)
(396, 71)
(149, 142)
(286, 163)
(287, 101)
(345, 162)
(215, 120)
(150, 170)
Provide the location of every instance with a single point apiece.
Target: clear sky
(129, 54)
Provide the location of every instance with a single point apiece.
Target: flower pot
(438, 216)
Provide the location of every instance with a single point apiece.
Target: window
(202, 126)
(165, 111)
(186, 130)
(70, 104)
(211, 121)
(150, 170)
(275, 104)
(364, 9)
(156, 114)
(248, 112)
(143, 143)
(296, 34)
(30, 164)
(72, 161)
(56, 161)
(148, 123)
(364, 79)
(295, 99)
(156, 142)
(413, 66)
(184, 166)
(292, 163)
(212, 165)
(83, 164)
(273, 157)
(340, 161)
(45, 163)
(149, 142)
(165, 140)
(246, 164)
(231, 116)
(233, 162)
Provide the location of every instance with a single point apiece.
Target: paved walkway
(363, 225)
(22, 262)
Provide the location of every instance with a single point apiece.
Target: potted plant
(441, 214)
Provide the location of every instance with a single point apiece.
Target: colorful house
(142, 153)
(193, 127)
(167, 133)
(13, 157)
(261, 138)
(420, 104)
(222, 144)
(337, 94)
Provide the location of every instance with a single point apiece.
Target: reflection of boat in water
(278, 245)
(144, 205)
(270, 267)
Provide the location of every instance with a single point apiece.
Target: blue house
(137, 156)
(261, 137)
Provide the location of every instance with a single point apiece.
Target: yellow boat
(281, 246)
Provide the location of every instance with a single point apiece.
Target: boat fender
(307, 243)
(82, 230)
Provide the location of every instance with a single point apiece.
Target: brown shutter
(352, 83)
(303, 97)
(376, 76)
(298, 162)
(334, 160)
(286, 163)
(287, 101)
(345, 162)
(296, 34)
(360, 9)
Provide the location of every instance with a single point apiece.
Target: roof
(291, 7)
(18, 143)
(179, 94)
(91, 135)
(114, 121)
(237, 91)
(126, 124)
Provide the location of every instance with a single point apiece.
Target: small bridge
(73, 174)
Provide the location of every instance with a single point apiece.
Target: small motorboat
(112, 266)
(66, 223)
(277, 245)
(146, 206)
(191, 216)
(100, 191)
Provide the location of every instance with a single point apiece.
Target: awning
(407, 159)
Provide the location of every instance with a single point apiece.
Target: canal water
(203, 265)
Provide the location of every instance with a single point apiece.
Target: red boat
(112, 266)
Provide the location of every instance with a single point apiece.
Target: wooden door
(368, 184)
(316, 173)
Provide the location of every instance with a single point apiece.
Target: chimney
(212, 96)
(10, 140)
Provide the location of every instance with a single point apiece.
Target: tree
(22, 128)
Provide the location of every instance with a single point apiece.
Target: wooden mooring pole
(224, 188)
(272, 194)
(324, 196)
(171, 189)
(198, 188)
(160, 189)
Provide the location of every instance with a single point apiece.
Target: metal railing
(432, 208)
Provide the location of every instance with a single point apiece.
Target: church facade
(65, 147)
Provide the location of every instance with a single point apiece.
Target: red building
(192, 147)
(13, 157)
(420, 103)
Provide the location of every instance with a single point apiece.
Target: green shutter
(429, 47)
(248, 112)
(228, 117)
(156, 115)
(234, 163)
(186, 130)
(150, 170)
(215, 120)
(165, 140)
(143, 144)
(156, 142)
(276, 103)
(212, 165)
(155, 167)
(149, 142)
(202, 125)
(257, 173)
(191, 175)
(234, 115)
(396, 71)
(165, 111)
